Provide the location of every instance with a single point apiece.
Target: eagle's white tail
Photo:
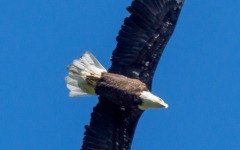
(78, 81)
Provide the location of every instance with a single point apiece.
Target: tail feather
(78, 72)
(92, 60)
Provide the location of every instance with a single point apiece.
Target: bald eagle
(124, 89)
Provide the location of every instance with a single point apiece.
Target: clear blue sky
(198, 75)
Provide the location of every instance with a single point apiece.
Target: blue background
(198, 75)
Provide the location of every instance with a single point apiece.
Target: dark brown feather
(120, 126)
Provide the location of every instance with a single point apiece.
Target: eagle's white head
(151, 101)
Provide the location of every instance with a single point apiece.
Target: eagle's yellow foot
(94, 76)
(92, 79)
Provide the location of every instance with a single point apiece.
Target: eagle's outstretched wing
(111, 127)
(141, 42)
(143, 38)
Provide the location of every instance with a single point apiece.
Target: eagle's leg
(92, 79)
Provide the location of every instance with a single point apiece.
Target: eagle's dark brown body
(120, 89)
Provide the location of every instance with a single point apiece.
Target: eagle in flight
(124, 89)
